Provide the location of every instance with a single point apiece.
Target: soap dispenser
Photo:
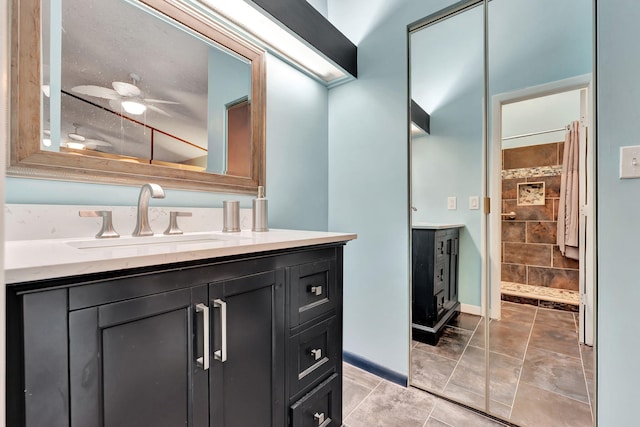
(260, 212)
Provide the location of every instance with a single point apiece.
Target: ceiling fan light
(75, 145)
(133, 107)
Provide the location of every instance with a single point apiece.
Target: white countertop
(30, 260)
(434, 226)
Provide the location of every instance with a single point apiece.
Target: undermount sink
(124, 242)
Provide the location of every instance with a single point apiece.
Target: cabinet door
(247, 370)
(133, 363)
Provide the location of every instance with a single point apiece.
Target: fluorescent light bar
(251, 20)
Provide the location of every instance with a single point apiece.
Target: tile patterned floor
(540, 374)
(369, 401)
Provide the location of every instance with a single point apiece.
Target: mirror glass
(135, 85)
(447, 81)
(541, 339)
(132, 88)
(532, 363)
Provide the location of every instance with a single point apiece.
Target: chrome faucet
(142, 224)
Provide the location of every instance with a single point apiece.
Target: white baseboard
(471, 309)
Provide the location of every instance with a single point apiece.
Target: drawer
(440, 277)
(440, 299)
(312, 291)
(322, 407)
(441, 244)
(313, 354)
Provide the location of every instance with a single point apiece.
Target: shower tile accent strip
(541, 292)
(532, 172)
(530, 255)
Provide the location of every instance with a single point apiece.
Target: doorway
(528, 265)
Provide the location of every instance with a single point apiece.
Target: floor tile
(390, 405)
(504, 338)
(518, 307)
(352, 395)
(450, 345)
(503, 377)
(588, 363)
(465, 395)
(555, 339)
(432, 422)
(555, 372)
(466, 321)
(430, 371)
(504, 374)
(535, 407)
(360, 376)
(474, 400)
(455, 415)
(556, 318)
(516, 315)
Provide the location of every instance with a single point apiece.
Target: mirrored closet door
(503, 302)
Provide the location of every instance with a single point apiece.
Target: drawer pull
(316, 290)
(316, 353)
(221, 354)
(203, 362)
(319, 417)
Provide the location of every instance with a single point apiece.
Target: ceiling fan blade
(126, 89)
(92, 143)
(76, 137)
(115, 105)
(159, 101)
(97, 91)
(158, 110)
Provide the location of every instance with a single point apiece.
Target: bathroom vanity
(245, 330)
(434, 260)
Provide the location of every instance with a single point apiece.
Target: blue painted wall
(296, 162)
(618, 213)
(229, 81)
(368, 180)
(447, 80)
(367, 128)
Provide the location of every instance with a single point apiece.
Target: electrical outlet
(474, 202)
(452, 203)
(630, 162)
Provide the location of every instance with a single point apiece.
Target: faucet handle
(107, 229)
(173, 222)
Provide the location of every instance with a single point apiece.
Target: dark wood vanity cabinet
(434, 263)
(245, 341)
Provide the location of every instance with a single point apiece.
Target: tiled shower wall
(530, 254)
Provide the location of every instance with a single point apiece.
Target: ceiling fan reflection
(80, 142)
(124, 96)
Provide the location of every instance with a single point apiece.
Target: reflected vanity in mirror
(447, 356)
(136, 90)
(522, 346)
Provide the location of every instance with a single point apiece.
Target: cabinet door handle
(319, 417)
(203, 362)
(316, 290)
(316, 353)
(221, 354)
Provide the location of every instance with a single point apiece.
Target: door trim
(494, 259)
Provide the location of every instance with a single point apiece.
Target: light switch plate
(630, 162)
(474, 202)
(452, 203)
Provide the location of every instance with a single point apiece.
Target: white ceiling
(106, 41)
(538, 115)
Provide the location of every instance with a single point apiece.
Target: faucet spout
(142, 223)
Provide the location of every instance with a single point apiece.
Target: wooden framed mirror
(78, 66)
